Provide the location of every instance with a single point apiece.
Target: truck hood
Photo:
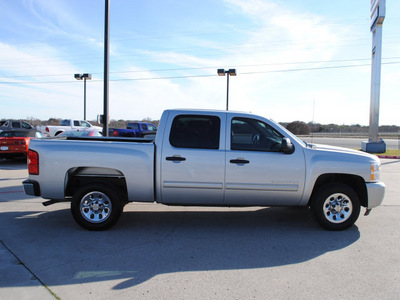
(326, 148)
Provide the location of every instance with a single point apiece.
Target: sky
(305, 60)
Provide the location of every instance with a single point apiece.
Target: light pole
(230, 72)
(84, 77)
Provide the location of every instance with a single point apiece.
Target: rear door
(193, 159)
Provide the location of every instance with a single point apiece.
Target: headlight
(375, 172)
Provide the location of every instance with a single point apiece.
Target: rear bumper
(376, 192)
(31, 187)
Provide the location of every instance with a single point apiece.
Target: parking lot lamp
(230, 72)
(84, 77)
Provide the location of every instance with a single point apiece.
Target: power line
(211, 67)
(201, 76)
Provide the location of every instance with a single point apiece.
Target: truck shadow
(146, 244)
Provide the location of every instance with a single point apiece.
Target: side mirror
(287, 146)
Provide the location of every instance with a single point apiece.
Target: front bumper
(376, 192)
(31, 187)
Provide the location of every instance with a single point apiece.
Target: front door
(257, 173)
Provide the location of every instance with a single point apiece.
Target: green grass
(391, 152)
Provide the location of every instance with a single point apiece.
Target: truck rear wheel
(335, 206)
(96, 206)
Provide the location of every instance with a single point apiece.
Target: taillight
(33, 162)
(115, 133)
(47, 129)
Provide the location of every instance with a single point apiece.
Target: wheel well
(354, 181)
(77, 177)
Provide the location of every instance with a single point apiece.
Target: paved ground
(353, 143)
(158, 252)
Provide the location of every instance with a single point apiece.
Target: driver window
(253, 135)
(85, 124)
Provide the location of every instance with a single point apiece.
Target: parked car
(205, 158)
(14, 125)
(135, 129)
(81, 133)
(66, 125)
(15, 143)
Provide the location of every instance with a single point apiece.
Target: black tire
(96, 206)
(335, 206)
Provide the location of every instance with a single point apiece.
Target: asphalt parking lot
(159, 252)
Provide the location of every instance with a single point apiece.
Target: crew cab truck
(135, 129)
(66, 124)
(204, 158)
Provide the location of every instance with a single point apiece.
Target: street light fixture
(84, 77)
(230, 72)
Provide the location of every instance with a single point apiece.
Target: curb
(389, 156)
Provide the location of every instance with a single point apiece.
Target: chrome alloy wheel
(96, 207)
(337, 208)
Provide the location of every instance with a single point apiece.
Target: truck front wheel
(96, 206)
(335, 206)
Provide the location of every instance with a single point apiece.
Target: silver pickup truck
(204, 158)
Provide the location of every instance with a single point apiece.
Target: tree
(298, 128)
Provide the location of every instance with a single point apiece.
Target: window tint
(77, 123)
(144, 127)
(194, 131)
(65, 123)
(16, 125)
(254, 135)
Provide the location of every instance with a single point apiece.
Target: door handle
(175, 158)
(239, 161)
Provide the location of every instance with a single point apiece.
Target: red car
(15, 143)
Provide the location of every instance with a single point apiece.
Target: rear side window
(134, 126)
(26, 125)
(195, 131)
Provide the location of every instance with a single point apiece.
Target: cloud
(30, 82)
(268, 42)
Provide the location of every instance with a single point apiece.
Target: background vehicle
(204, 158)
(81, 133)
(14, 125)
(135, 129)
(15, 143)
(66, 124)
